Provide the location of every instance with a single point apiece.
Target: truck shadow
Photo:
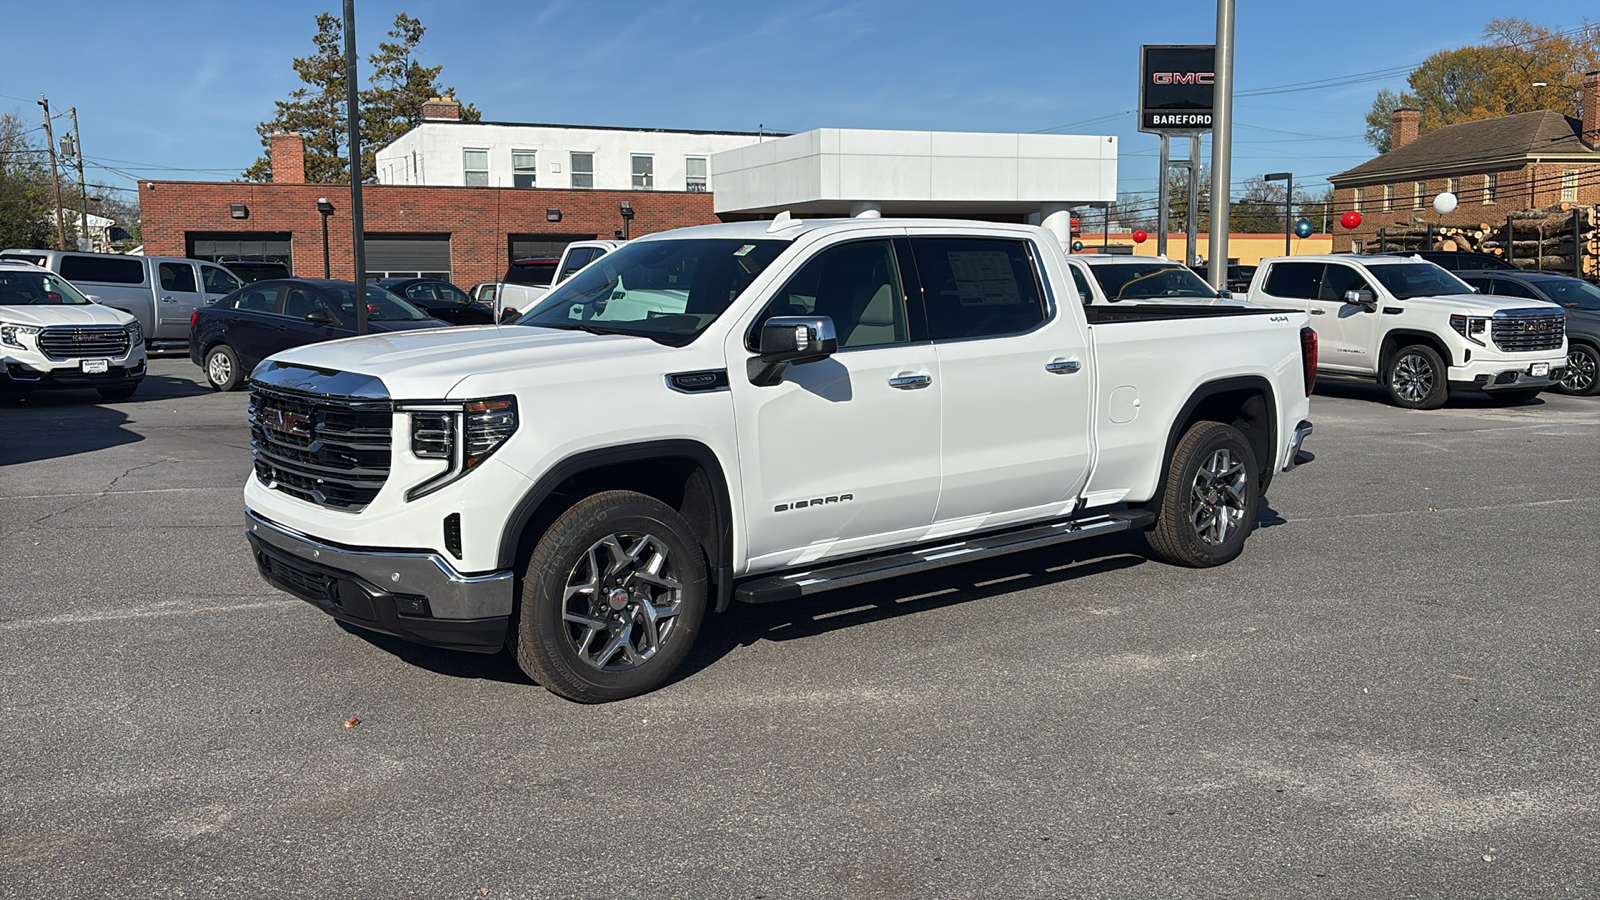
(454, 663)
(1371, 391)
(34, 428)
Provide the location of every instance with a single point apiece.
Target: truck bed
(1149, 312)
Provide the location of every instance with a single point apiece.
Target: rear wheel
(1582, 376)
(1208, 507)
(612, 598)
(1415, 376)
(223, 371)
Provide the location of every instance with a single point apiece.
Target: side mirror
(1225, 294)
(92, 298)
(509, 315)
(1362, 298)
(319, 317)
(791, 340)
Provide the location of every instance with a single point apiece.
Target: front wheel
(1415, 377)
(1208, 507)
(1582, 376)
(612, 598)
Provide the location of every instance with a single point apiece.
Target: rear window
(975, 287)
(1146, 281)
(1293, 280)
(538, 274)
(102, 270)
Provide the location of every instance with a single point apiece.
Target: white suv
(52, 336)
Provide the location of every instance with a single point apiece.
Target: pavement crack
(102, 492)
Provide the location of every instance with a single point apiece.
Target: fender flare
(1209, 389)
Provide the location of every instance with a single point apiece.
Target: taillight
(193, 318)
(1308, 357)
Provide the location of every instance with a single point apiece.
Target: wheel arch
(1247, 402)
(1405, 337)
(684, 474)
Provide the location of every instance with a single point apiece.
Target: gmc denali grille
(1526, 331)
(80, 341)
(331, 451)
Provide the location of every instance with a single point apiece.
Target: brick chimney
(1404, 125)
(288, 156)
(442, 108)
(1591, 110)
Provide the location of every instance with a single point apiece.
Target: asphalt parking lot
(1391, 694)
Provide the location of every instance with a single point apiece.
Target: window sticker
(984, 278)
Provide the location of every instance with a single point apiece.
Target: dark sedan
(228, 338)
(1580, 300)
(440, 299)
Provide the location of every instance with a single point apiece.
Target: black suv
(253, 270)
(440, 299)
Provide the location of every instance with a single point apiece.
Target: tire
(1582, 378)
(222, 368)
(119, 392)
(590, 628)
(1514, 398)
(1415, 377)
(1208, 506)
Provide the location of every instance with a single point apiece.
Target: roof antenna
(783, 221)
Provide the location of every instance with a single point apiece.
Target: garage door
(408, 256)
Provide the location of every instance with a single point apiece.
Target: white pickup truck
(756, 411)
(1418, 329)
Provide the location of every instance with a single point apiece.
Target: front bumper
(410, 594)
(22, 374)
(1505, 375)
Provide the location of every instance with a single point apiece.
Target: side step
(792, 585)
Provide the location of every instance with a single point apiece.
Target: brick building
(1495, 167)
(465, 234)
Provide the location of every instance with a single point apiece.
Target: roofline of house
(1472, 167)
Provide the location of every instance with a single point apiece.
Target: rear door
(217, 282)
(1015, 382)
(178, 295)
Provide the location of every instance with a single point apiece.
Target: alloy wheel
(1413, 377)
(621, 601)
(219, 368)
(1580, 374)
(1217, 497)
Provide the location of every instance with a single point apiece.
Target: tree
(26, 208)
(392, 103)
(1178, 201)
(1521, 67)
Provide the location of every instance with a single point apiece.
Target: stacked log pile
(1539, 239)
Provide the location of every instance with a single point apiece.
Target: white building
(445, 151)
(851, 172)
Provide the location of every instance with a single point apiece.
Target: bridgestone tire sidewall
(1173, 538)
(544, 650)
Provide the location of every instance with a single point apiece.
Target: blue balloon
(1076, 246)
(1303, 228)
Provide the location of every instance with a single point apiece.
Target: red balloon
(1139, 236)
(1351, 219)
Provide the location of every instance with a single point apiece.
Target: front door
(1015, 384)
(842, 457)
(1351, 341)
(177, 297)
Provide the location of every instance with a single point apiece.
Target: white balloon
(1444, 204)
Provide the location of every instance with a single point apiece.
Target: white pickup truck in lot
(1417, 328)
(756, 411)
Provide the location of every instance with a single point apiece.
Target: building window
(644, 172)
(694, 174)
(1453, 186)
(524, 168)
(1422, 193)
(1355, 246)
(1388, 197)
(475, 165)
(1355, 198)
(1491, 184)
(583, 170)
(1569, 185)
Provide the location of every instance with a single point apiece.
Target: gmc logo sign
(1183, 77)
(277, 420)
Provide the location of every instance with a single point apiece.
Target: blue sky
(173, 90)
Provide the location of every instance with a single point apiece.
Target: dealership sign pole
(1222, 146)
(1175, 84)
(353, 113)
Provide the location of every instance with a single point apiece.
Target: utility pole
(83, 187)
(353, 113)
(55, 176)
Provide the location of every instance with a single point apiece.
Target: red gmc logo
(296, 424)
(1183, 77)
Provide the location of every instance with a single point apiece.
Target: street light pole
(353, 114)
(1221, 146)
(1288, 208)
(326, 208)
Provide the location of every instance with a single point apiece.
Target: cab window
(857, 285)
(1294, 280)
(977, 287)
(1337, 280)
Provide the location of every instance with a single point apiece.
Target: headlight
(462, 433)
(135, 333)
(1467, 326)
(11, 335)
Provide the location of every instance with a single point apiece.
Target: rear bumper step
(792, 585)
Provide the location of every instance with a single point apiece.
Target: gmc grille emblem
(84, 338)
(297, 424)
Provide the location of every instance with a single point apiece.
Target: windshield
(382, 306)
(1418, 279)
(669, 291)
(1144, 281)
(1571, 292)
(37, 289)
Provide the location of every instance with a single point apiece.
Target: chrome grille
(1526, 330)
(82, 341)
(331, 451)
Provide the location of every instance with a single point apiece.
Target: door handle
(1319, 312)
(910, 382)
(1063, 366)
(169, 300)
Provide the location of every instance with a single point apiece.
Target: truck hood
(1478, 304)
(90, 314)
(430, 363)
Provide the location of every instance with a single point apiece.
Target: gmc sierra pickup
(756, 411)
